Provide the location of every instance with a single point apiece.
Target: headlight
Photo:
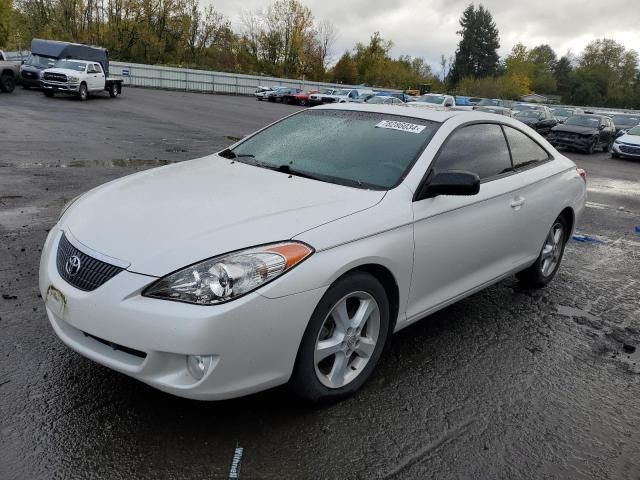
(227, 277)
(73, 79)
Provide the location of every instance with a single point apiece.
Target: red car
(300, 98)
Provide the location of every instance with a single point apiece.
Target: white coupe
(292, 257)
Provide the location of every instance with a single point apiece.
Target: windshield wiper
(230, 154)
(292, 171)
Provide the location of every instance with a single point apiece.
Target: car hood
(64, 71)
(629, 139)
(166, 218)
(574, 129)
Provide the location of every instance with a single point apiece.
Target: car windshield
(70, 65)
(634, 131)
(38, 61)
(562, 112)
(326, 91)
(526, 107)
(342, 92)
(625, 120)
(489, 103)
(359, 149)
(583, 121)
(529, 114)
(437, 99)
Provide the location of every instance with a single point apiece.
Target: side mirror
(601, 126)
(452, 182)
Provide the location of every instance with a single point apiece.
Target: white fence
(172, 78)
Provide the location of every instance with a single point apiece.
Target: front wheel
(592, 146)
(7, 83)
(344, 339)
(83, 93)
(545, 267)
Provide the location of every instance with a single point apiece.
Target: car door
(99, 76)
(538, 193)
(465, 242)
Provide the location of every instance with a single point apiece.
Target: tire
(113, 90)
(7, 83)
(303, 103)
(592, 146)
(608, 147)
(83, 92)
(357, 348)
(615, 155)
(541, 273)
(26, 87)
(48, 94)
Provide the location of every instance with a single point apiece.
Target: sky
(427, 28)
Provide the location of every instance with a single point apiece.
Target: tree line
(286, 40)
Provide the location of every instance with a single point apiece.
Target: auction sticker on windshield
(402, 126)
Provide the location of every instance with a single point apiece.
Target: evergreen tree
(477, 53)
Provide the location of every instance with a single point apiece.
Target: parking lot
(508, 383)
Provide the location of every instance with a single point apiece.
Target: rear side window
(524, 150)
(479, 148)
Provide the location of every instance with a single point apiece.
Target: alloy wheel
(347, 339)
(552, 250)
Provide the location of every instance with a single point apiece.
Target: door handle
(517, 202)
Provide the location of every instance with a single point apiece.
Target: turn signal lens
(224, 278)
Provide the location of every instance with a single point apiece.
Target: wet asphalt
(506, 384)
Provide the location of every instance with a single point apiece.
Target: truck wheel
(7, 83)
(83, 93)
(48, 94)
(113, 90)
(26, 87)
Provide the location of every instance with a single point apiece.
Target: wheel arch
(570, 216)
(8, 71)
(388, 282)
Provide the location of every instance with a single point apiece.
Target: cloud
(427, 28)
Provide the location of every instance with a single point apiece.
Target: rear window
(361, 149)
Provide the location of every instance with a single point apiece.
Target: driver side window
(479, 148)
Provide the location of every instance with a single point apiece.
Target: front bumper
(253, 340)
(624, 150)
(579, 142)
(60, 87)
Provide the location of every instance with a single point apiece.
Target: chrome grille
(91, 273)
(55, 77)
(629, 149)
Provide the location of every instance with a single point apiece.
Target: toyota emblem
(72, 267)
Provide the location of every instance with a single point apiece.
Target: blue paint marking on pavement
(637, 229)
(586, 238)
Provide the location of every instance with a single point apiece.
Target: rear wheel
(83, 93)
(545, 267)
(113, 90)
(344, 339)
(7, 83)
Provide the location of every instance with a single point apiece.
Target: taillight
(582, 173)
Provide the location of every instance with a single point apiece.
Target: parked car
(32, 68)
(562, 113)
(584, 132)
(384, 100)
(495, 110)
(9, 73)
(541, 121)
(464, 103)
(300, 98)
(434, 101)
(261, 92)
(521, 107)
(345, 95)
(281, 94)
(80, 78)
(624, 122)
(495, 102)
(628, 144)
(308, 255)
(475, 101)
(316, 98)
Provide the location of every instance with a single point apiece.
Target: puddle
(574, 312)
(621, 187)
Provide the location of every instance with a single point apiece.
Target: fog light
(198, 365)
